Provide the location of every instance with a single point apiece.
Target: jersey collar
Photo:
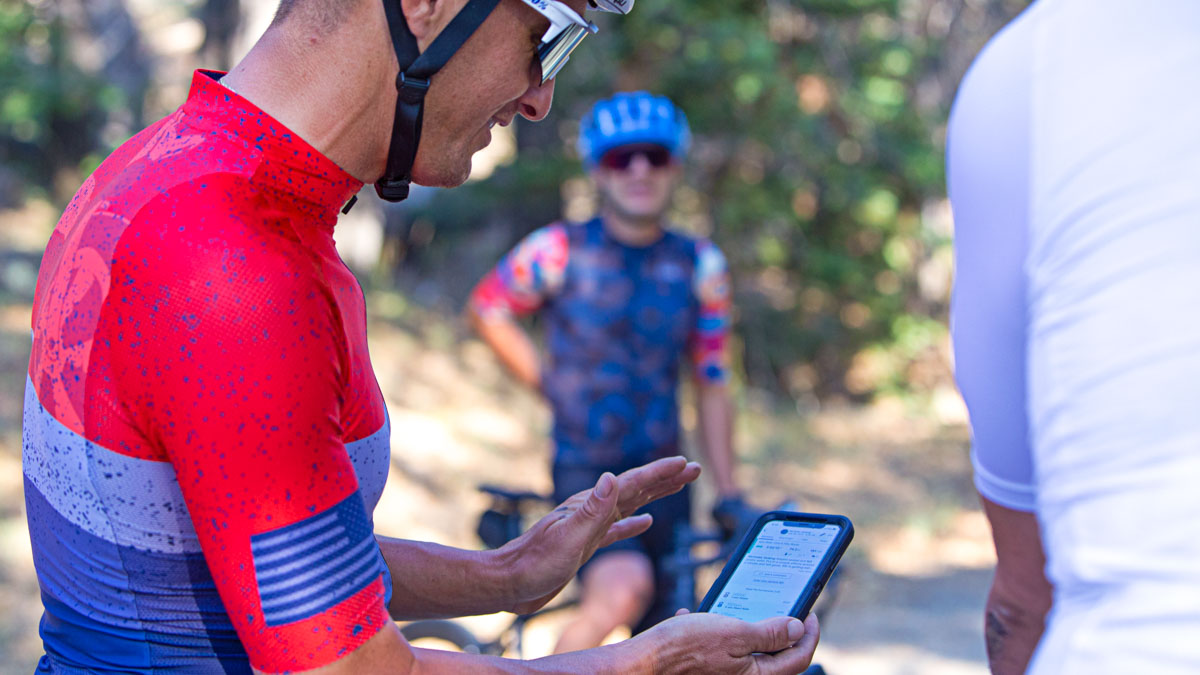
(290, 164)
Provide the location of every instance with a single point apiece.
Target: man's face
(636, 181)
(493, 78)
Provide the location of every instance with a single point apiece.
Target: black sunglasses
(619, 159)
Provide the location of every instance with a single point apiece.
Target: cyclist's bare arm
(1020, 595)
(429, 580)
(714, 412)
(710, 365)
(511, 344)
(434, 581)
(695, 643)
(388, 653)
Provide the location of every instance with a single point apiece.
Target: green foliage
(51, 112)
(814, 157)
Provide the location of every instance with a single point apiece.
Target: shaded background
(817, 167)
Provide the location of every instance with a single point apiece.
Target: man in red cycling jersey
(204, 439)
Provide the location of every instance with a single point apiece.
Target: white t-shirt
(1073, 167)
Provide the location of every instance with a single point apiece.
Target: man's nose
(534, 104)
(639, 165)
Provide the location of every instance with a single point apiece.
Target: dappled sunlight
(889, 418)
(915, 578)
(915, 551)
(16, 319)
(490, 426)
(19, 642)
(887, 624)
(457, 421)
(893, 659)
(425, 441)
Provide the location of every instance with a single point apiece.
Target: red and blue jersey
(204, 438)
(619, 319)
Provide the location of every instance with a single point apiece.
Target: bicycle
(507, 517)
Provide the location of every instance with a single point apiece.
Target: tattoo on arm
(995, 633)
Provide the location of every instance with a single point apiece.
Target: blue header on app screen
(775, 570)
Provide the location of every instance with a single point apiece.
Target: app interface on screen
(782, 559)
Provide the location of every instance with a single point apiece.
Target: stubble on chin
(442, 180)
(451, 169)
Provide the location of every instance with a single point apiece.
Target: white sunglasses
(567, 30)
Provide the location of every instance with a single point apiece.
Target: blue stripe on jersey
(136, 502)
(111, 607)
(711, 323)
(372, 457)
(120, 499)
(310, 566)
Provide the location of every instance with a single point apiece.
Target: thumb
(775, 634)
(601, 503)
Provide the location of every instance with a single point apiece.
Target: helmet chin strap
(416, 69)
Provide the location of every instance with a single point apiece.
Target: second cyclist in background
(624, 299)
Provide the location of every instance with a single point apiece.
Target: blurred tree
(817, 163)
(220, 19)
(72, 81)
(817, 167)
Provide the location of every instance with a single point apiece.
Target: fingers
(605, 482)
(772, 635)
(626, 528)
(616, 497)
(600, 502)
(656, 479)
(812, 630)
(649, 475)
(794, 659)
(681, 611)
(594, 517)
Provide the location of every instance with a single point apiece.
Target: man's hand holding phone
(710, 643)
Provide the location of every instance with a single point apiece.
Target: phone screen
(775, 569)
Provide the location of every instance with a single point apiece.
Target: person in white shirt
(1073, 168)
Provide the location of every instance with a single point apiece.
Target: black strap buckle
(410, 89)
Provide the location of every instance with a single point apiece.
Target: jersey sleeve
(235, 365)
(988, 177)
(710, 338)
(525, 277)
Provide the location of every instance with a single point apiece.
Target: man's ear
(427, 18)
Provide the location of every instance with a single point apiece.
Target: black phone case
(808, 595)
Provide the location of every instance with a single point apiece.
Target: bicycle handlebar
(504, 520)
(514, 496)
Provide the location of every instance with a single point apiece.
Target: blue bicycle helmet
(633, 117)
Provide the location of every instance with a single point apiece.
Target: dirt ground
(915, 578)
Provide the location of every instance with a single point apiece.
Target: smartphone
(780, 566)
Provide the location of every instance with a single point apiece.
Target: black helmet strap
(416, 69)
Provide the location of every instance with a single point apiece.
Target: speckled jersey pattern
(204, 438)
(619, 319)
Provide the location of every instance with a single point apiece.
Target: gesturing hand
(544, 558)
